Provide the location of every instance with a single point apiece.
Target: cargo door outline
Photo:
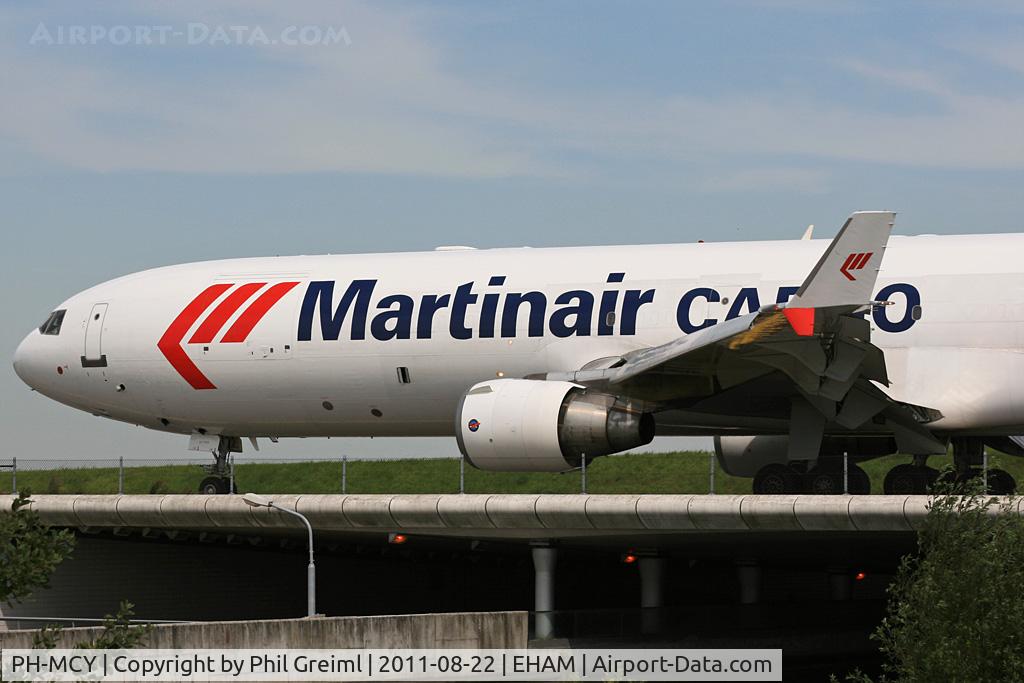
(93, 356)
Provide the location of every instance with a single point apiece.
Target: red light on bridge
(860, 576)
(397, 539)
(628, 558)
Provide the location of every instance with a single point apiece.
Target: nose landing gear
(221, 473)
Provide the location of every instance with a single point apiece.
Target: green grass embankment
(681, 472)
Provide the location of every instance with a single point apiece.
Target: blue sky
(542, 123)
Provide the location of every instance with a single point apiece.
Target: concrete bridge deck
(498, 516)
(214, 557)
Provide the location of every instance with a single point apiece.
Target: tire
(823, 482)
(905, 480)
(1001, 483)
(829, 481)
(776, 479)
(215, 485)
(950, 480)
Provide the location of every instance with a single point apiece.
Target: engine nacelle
(743, 456)
(525, 425)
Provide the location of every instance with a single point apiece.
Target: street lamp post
(259, 501)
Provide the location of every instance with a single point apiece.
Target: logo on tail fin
(855, 262)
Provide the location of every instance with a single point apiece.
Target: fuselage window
(53, 323)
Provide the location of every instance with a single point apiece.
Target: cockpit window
(53, 323)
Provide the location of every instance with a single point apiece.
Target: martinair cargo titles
(789, 353)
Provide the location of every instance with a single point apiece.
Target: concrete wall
(459, 630)
(194, 581)
(166, 581)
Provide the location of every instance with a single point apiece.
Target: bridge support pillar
(652, 589)
(748, 573)
(544, 560)
(840, 584)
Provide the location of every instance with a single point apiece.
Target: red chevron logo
(170, 343)
(855, 262)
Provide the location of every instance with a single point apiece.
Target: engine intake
(525, 425)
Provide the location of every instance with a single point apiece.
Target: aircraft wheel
(776, 479)
(215, 485)
(829, 482)
(962, 482)
(823, 482)
(906, 480)
(1001, 483)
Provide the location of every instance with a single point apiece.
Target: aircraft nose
(25, 362)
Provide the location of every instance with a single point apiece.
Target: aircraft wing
(820, 341)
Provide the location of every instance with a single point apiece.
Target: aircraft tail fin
(845, 275)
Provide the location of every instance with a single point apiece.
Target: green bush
(29, 550)
(956, 607)
(117, 634)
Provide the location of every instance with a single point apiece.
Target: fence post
(231, 474)
(846, 473)
(711, 473)
(462, 474)
(344, 473)
(984, 469)
(120, 476)
(583, 474)
(14, 475)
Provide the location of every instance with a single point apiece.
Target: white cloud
(376, 106)
(917, 80)
(392, 103)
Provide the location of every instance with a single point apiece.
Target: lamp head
(256, 500)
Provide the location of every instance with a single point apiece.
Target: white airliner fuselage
(387, 344)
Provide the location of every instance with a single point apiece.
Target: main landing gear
(220, 479)
(969, 463)
(824, 478)
(918, 479)
(913, 478)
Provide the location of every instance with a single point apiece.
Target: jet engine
(525, 425)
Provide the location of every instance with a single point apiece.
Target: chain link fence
(646, 473)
